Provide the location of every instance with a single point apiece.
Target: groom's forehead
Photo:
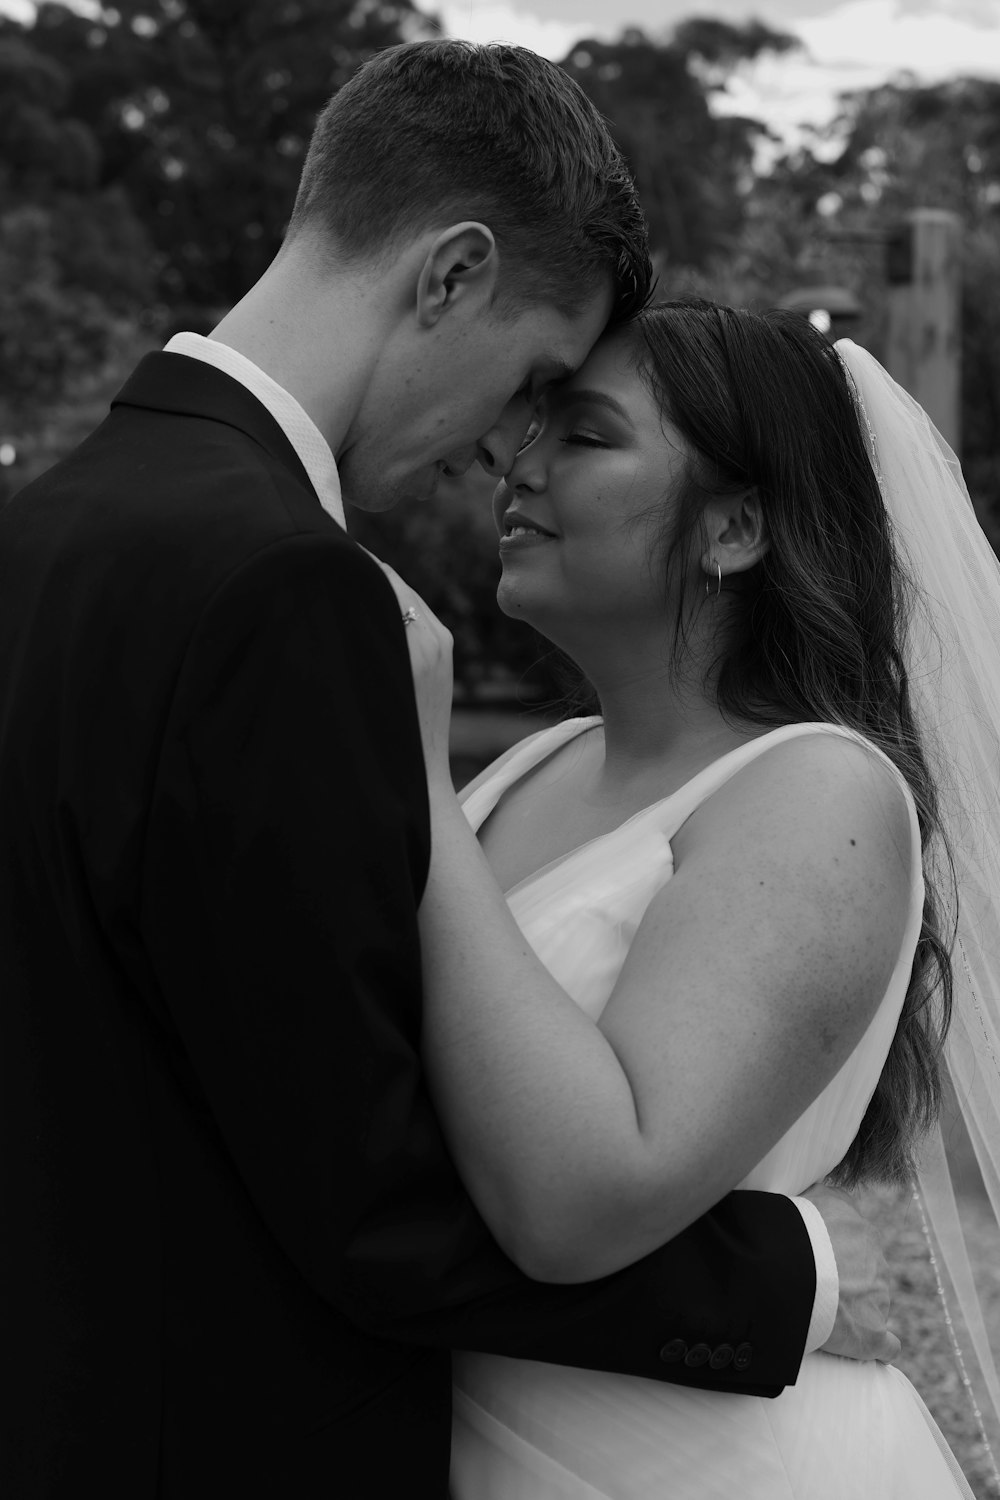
(563, 340)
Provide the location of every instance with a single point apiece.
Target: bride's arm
(753, 975)
(751, 978)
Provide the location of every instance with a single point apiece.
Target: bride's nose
(524, 477)
(529, 469)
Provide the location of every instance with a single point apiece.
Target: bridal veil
(953, 659)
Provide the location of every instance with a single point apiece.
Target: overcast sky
(845, 43)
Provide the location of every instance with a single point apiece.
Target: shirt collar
(299, 428)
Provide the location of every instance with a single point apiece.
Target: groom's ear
(460, 268)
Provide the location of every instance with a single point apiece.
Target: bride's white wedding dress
(845, 1430)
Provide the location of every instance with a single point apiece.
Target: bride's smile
(573, 514)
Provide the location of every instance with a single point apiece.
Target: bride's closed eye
(584, 440)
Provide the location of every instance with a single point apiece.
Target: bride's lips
(520, 530)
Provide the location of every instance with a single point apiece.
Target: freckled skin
(827, 1039)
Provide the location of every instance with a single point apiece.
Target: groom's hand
(430, 645)
(861, 1328)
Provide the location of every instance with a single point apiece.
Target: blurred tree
(913, 146)
(202, 110)
(717, 48)
(693, 165)
(50, 331)
(44, 148)
(73, 258)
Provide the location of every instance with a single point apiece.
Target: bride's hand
(430, 645)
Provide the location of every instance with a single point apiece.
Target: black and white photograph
(499, 750)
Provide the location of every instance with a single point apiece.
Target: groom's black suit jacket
(234, 1253)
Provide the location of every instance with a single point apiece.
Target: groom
(235, 1253)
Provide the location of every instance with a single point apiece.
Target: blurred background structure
(149, 153)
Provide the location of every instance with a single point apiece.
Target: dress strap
(678, 808)
(693, 793)
(483, 793)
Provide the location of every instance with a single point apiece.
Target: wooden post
(923, 336)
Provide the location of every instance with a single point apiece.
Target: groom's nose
(498, 448)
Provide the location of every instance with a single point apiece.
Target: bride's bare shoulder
(809, 789)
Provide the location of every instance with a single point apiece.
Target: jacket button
(698, 1354)
(742, 1356)
(721, 1357)
(672, 1352)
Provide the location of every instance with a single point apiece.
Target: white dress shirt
(824, 1313)
(311, 447)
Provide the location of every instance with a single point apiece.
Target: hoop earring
(718, 583)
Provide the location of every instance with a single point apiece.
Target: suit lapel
(191, 388)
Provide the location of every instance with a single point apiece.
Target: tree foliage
(911, 146)
(692, 163)
(73, 255)
(202, 110)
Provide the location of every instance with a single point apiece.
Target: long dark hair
(817, 629)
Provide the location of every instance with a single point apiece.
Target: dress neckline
(540, 747)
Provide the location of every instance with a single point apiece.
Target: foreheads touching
(429, 134)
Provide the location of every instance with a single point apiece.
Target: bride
(723, 954)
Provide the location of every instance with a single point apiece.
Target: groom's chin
(379, 492)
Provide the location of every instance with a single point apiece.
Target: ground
(918, 1317)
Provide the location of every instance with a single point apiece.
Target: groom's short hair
(436, 132)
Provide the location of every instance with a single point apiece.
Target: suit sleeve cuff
(824, 1311)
